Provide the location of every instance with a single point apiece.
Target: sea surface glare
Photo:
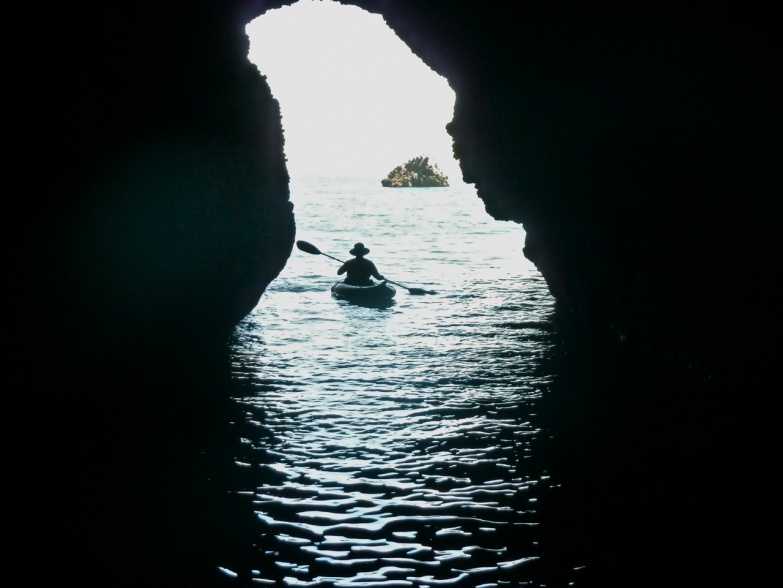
(393, 444)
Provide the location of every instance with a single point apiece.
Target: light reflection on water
(393, 445)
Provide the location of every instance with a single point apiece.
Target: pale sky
(355, 100)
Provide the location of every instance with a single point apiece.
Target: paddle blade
(308, 247)
(420, 291)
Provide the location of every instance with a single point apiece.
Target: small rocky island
(417, 173)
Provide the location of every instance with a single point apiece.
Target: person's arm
(344, 267)
(375, 273)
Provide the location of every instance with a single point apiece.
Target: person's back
(359, 269)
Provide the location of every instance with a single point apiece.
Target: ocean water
(394, 446)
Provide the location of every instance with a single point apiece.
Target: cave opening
(355, 104)
(401, 430)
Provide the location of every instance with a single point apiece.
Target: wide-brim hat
(359, 249)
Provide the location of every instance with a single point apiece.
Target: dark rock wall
(637, 146)
(634, 144)
(147, 209)
(152, 152)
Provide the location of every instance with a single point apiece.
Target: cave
(148, 209)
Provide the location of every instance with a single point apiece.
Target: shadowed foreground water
(402, 464)
(392, 445)
(464, 439)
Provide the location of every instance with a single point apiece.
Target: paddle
(310, 248)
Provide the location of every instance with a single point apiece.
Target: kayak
(377, 293)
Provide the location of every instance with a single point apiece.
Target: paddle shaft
(312, 249)
(330, 257)
(387, 279)
(401, 286)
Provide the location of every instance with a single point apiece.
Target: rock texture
(636, 147)
(147, 209)
(417, 173)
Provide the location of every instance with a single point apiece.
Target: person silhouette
(359, 269)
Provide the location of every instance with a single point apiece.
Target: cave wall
(148, 209)
(634, 145)
(151, 153)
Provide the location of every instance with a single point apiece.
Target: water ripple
(390, 446)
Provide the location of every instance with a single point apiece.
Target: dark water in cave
(396, 446)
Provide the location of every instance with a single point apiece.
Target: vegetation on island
(417, 173)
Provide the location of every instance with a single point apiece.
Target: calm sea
(395, 443)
